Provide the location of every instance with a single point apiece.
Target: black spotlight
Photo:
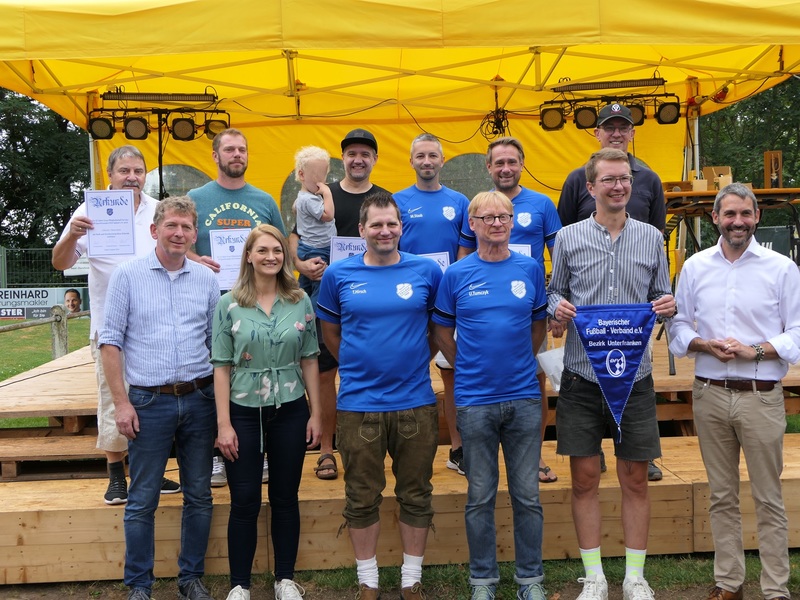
(136, 128)
(637, 113)
(101, 128)
(213, 127)
(552, 119)
(183, 129)
(668, 113)
(585, 117)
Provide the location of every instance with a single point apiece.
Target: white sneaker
(636, 588)
(286, 589)
(594, 588)
(239, 593)
(265, 471)
(218, 475)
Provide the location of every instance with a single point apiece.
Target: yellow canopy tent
(297, 72)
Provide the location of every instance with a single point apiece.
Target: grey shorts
(582, 417)
(411, 438)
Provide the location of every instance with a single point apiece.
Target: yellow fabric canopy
(296, 72)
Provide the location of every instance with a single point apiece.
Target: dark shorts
(325, 359)
(411, 438)
(582, 417)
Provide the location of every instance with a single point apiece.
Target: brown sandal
(327, 467)
(549, 476)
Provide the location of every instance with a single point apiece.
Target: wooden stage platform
(56, 531)
(54, 526)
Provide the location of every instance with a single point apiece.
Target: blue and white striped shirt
(590, 268)
(162, 325)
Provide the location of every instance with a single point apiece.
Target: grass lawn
(25, 349)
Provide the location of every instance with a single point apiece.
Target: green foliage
(43, 170)
(25, 349)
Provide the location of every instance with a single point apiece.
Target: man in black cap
(647, 204)
(359, 155)
(615, 130)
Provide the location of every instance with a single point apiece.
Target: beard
(233, 170)
(737, 242)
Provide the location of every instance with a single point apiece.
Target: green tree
(43, 171)
(739, 134)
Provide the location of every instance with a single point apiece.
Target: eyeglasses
(623, 129)
(610, 182)
(489, 219)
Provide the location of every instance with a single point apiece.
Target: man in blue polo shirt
(496, 299)
(435, 221)
(375, 313)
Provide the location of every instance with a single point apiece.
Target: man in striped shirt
(609, 258)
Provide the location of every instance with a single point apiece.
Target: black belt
(742, 385)
(179, 389)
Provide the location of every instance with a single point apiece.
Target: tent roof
(388, 60)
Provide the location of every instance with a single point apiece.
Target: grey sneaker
(456, 460)
(117, 493)
(533, 591)
(194, 590)
(653, 472)
(594, 588)
(138, 594)
(218, 476)
(482, 592)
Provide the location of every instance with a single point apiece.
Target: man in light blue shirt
(159, 311)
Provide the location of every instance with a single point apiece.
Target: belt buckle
(179, 389)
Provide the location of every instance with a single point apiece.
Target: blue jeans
(284, 432)
(514, 425)
(305, 252)
(191, 420)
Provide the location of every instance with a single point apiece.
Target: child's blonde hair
(305, 155)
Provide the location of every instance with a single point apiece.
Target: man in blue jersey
(496, 299)
(385, 401)
(436, 221)
(609, 258)
(536, 224)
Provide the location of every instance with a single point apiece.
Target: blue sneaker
(482, 592)
(532, 591)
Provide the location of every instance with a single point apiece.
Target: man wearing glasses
(608, 258)
(497, 301)
(615, 130)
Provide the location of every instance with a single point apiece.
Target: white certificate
(112, 214)
(442, 259)
(521, 248)
(344, 247)
(227, 246)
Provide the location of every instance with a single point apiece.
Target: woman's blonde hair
(244, 291)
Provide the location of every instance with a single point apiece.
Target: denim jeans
(514, 425)
(192, 422)
(285, 431)
(305, 252)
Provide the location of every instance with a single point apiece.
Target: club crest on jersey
(404, 290)
(449, 213)
(518, 288)
(524, 219)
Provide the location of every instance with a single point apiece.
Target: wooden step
(53, 457)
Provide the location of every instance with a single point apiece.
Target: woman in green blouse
(264, 351)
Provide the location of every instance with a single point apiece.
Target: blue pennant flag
(615, 337)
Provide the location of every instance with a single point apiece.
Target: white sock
(591, 562)
(411, 571)
(634, 563)
(367, 572)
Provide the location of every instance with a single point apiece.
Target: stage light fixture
(158, 97)
(183, 129)
(213, 127)
(585, 117)
(609, 85)
(552, 119)
(136, 128)
(637, 113)
(101, 128)
(668, 113)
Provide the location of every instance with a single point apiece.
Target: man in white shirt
(739, 317)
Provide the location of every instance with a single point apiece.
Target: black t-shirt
(347, 206)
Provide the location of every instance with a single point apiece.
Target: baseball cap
(362, 136)
(612, 111)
